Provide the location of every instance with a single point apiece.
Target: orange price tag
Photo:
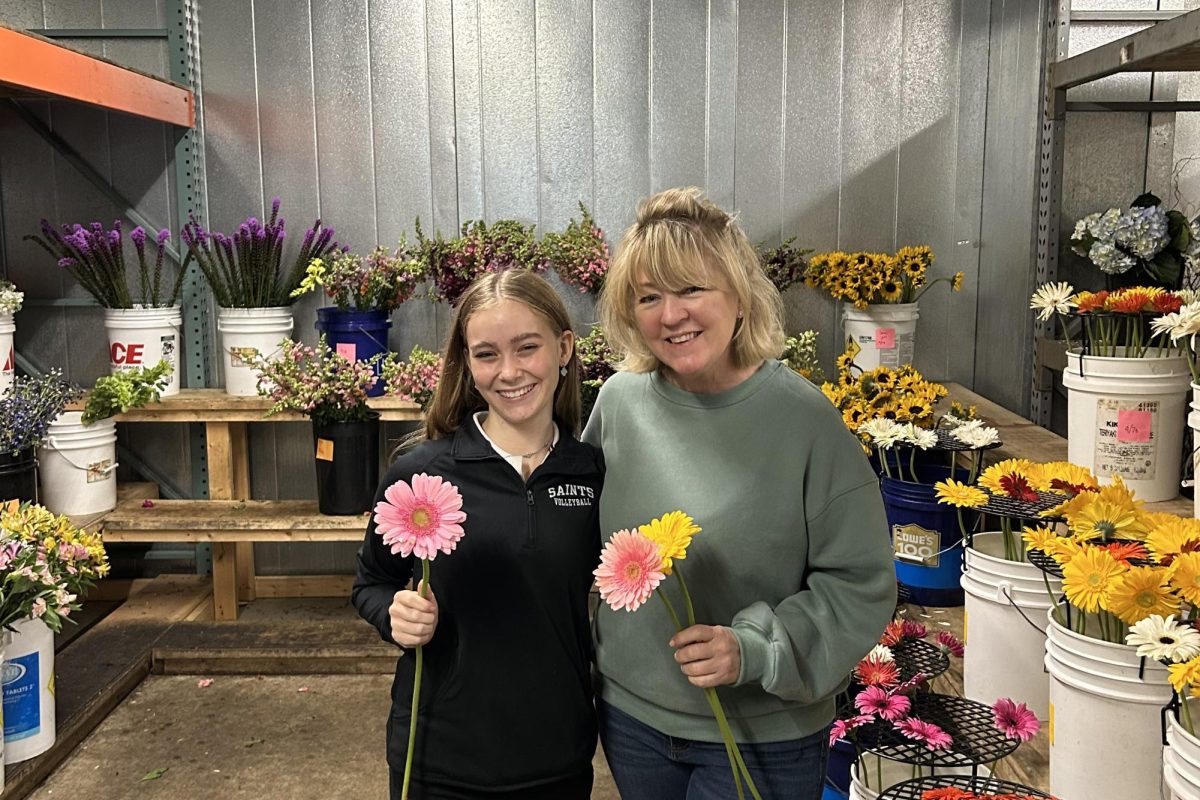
(324, 450)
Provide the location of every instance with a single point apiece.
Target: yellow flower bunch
(1120, 562)
(864, 279)
(903, 395)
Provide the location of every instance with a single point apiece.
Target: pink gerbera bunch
(423, 518)
(1015, 720)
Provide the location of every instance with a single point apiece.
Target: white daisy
(1164, 639)
(917, 437)
(976, 437)
(1184, 322)
(880, 653)
(883, 431)
(1051, 299)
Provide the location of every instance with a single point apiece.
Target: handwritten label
(347, 350)
(885, 338)
(324, 450)
(1133, 425)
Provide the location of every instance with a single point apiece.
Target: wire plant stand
(975, 738)
(914, 789)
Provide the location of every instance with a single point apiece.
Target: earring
(563, 370)
(739, 313)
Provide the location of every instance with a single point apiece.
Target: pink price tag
(1133, 426)
(347, 350)
(885, 338)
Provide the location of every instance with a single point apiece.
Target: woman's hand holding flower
(414, 618)
(709, 655)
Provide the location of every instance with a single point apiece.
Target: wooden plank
(304, 585)
(247, 517)
(30, 63)
(219, 444)
(137, 490)
(224, 581)
(213, 405)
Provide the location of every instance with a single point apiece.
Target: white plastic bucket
(249, 332)
(894, 772)
(1183, 756)
(7, 355)
(141, 337)
(885, 333)
(1097, 699)
(1194, 424)
(1125, 417)
(28, 680)
(77, 465)
(1179, 789)
(1005, 621)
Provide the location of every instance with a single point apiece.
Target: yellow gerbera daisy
(1169, 534)
(1185, 576)
(1065, 473)
(1101, 519)
(1140, 592)
(959, 494)
(1089, 578)
(1185, 674)
(672, 533)
(1063, 549)
(990, 479)
(1040, 538)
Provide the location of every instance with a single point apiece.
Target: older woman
(793, 572)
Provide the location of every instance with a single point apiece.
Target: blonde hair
(679, 239)
(456, 396)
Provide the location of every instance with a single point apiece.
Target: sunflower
(1140, 592)
(956, 283)
(1089, 578)
(891, 290)
(873, 281)
(672, 533)
(959, 494)
(1185, 576)
(844, 361)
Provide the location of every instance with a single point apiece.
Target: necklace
(548, 446)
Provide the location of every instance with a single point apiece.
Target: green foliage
(132, 388)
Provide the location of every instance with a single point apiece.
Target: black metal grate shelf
(1004, 506)
(917, 655)
(946, 441)
(976, 740)
(913, 789)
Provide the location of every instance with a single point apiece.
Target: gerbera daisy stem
(687, 598)
(412, 719)
(1187, 714)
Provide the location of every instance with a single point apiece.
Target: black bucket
(347, 466)
(18, 475)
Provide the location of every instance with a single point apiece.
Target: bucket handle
(107, 470)
(1005, 589)
(382, 345)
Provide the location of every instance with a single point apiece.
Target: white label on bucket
(167, 346)
(916, 545)
(899, 354)
(1123, 451)
(99, 471)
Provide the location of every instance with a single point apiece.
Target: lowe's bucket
(78, 465)
(926, 541)
(357, 336)
(141, 337)
(246, 333)
(884, 332)
(1101, 693)
(7, 354)
(1125, 417)
(18, 475)
(28, 680)
(1004, 623)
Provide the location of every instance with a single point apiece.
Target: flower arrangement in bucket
(414, 380)
(46, 563)
(1144, 241)
(30, 406)
(452, 264)
(597, 363)
(1182, 326)
(894, 715)
(247, 270)
(863, 279)
(116, 394)
(1125, 323)
(10, 299)
(901, 395)
(10, 303)
(422, 518)
(579, 255)
(380, 281)
(633, 565)
(332, 391)
(95, 258)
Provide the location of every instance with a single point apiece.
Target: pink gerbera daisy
(913, 630)
(950, 644)
(1015, 720)
(841, 727)
(933, 737)
(630, 569)
(910, 684)
(874, 700)
(422, 519)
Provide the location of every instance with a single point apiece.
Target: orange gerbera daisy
(1129, 301)
(1090, 301)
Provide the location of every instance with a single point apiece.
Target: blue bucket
(357, 335)
(926, 540)
(837, 768)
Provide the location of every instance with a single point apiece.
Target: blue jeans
(649, 765)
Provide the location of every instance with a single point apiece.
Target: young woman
(506, 700)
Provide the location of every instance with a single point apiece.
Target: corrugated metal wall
(855, 124)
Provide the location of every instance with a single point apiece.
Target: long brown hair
(456, 397)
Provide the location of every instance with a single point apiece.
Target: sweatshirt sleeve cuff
(754, 654)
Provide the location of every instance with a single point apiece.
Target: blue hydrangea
(1110, 259)
(1143, 231)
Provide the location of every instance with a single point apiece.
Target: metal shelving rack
(1172, 44)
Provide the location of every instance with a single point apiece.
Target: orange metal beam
(31, 63)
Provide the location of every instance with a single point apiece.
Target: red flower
(1168, 303)
(873, 672)
(1131, 301)
(1017, 487)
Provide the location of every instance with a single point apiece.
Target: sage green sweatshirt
(793, 553)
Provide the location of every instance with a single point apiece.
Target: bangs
(670, 257)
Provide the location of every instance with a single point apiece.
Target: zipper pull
(528, 497)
